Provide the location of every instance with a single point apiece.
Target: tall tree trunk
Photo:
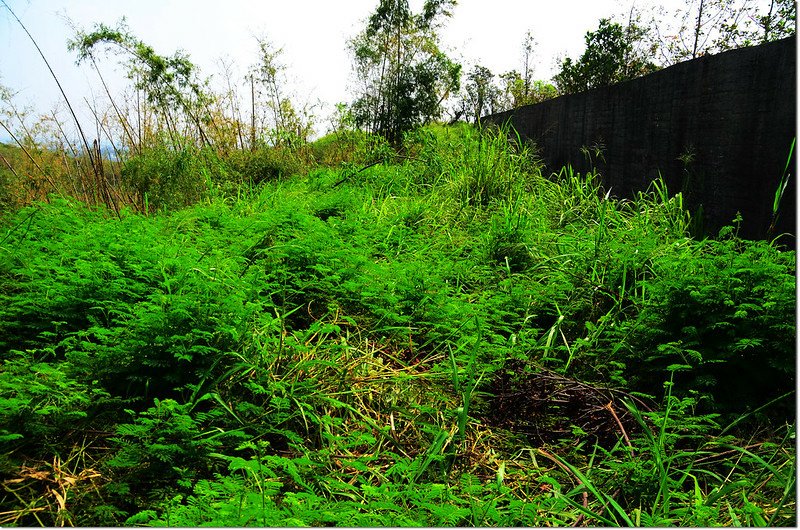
(253, 114)
(697, 29)
(768, 21)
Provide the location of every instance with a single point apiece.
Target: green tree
(404, 76)
(528, 48)
(711, 26)
(268, 91)
(515, 92)
(169, 83)
(519, 89)
(780, 21)
(612, 55)
(480, 95)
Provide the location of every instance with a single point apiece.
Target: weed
(446, 337)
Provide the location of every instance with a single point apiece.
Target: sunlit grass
(448, 338)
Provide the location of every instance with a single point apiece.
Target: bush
(161, 177)
(39, 404)
(266, 164)
(379, 343)
(719, 309)
(349, 147)
(475, 165)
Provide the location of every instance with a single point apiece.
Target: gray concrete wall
(733, 114)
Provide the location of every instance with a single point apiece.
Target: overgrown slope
(451, 339)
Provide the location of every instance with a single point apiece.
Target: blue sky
(312, 33)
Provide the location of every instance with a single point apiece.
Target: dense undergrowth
(447, 337)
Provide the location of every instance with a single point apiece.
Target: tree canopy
(402, 73)
(611, 56)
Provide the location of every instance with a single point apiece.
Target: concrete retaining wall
(717, 128)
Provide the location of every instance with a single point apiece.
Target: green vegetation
(398, 324)
(481, 96)
(403, 76)
(611, 56)
(629, 45)
(445, 338)
(653, 38)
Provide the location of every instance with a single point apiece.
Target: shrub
(720, 309)
(266, 164)
(382, 340)
(349, 147)
(475, 165)
(165, 446)
(39, 404)
(505, 242)
(162, 177)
